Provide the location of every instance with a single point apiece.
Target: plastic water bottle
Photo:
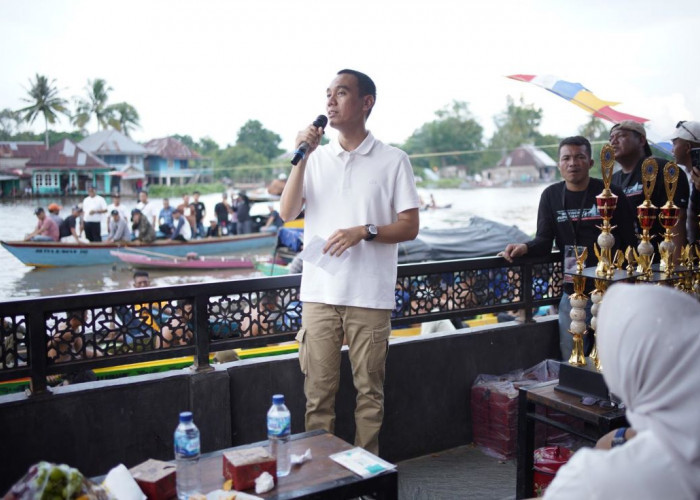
(279, 425)
(187, 451)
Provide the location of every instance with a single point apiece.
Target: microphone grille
(321, 121)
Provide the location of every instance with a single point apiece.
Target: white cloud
(204, 68)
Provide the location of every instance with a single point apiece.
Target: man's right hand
(312, 136)
(513, 250)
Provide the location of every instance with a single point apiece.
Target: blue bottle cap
(278, 399)
(186, 416)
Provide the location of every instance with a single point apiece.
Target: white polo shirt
(96, 202)
(369, 185)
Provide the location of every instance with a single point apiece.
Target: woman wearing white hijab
(649, 342)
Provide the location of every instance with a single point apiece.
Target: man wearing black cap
(629, 140)
(118, 230)
(686, 136)
(72, 226)
(46, 228)
(141, 228)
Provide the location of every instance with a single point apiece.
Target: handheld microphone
(300, 153)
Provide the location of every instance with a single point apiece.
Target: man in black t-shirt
(222, 211)
(199, 212)
(568, 216)
(629, 140)
(686, 137)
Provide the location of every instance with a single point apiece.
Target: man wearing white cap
(685, 137)
(629, 141)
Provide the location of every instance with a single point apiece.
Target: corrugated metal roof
(57, 157)
(111, 141)
(25, 149)
(171, 149)
(527, 156)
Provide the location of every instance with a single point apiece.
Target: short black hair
(576, 140)
(364, 83)
(196, 192)
(140, 274)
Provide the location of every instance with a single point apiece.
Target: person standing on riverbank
(568, 215)
(360, 198)
(94, 206)
(629, 140)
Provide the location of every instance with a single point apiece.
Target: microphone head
(321, 121)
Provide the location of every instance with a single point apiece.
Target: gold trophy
(646, 213)
(606, 202)
(688, 260)
(597, 297)
(578, 310)
(668, 217)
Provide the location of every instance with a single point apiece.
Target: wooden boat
(57, 254)
(191, 261)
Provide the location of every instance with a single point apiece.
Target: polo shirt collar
(364, 148)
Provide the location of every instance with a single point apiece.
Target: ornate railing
(68, 334)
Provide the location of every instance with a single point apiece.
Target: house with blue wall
(67, 168)
(125, 156)
(169, 161)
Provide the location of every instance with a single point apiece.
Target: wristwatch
(371, 232)
(619, 437)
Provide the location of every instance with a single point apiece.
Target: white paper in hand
(313, 254)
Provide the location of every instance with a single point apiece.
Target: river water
(513, 205)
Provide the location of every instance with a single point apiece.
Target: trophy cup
(597, 297)
(606, 202)
(688, 260)
(646, 213)
(578, 310)
(668, 217)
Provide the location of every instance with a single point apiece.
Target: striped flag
(580, 96)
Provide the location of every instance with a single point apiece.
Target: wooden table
(318, 478)
(598, 421)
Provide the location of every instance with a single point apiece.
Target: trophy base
(582, 381)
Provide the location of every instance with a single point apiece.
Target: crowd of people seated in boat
(147, 222)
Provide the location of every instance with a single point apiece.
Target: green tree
(123, 117)
(240, 163)
(94, 105)
(257, 138)
(594, 129)
(455, 129)
(208, 147)
(186, 140)
(43, 100)
(517, 125)
(10, 122)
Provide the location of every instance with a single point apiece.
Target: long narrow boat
(188, 262)
(56, 254)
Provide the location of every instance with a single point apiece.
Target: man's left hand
(342, 239)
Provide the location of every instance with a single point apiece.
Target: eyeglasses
(680, 124)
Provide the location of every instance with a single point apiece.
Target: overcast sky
(204, 68)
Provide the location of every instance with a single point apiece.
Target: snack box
(156, 479)
(244, 466)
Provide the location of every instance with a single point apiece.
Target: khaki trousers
(320, 341)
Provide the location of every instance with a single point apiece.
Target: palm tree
(95, 104)
(124, 117)
(43, 100)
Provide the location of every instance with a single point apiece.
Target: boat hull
(201, 263)
(56, 254)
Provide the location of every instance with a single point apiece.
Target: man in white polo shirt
(360, 197)
(94, 206)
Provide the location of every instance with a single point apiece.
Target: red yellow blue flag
(580, 96)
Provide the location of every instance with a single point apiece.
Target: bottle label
(279, 426)
(187, 447)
